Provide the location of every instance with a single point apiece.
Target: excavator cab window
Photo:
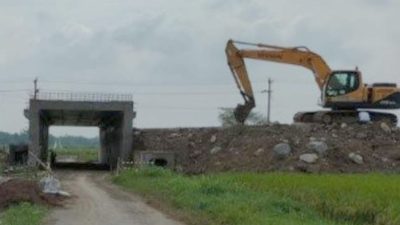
(341, 83)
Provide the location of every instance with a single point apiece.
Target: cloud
(179, 44)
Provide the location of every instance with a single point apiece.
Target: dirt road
(99, 203)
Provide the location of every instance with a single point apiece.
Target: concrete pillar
(115, 140)
(34, 133)
(126, 132)
(105, 145)
(102, 151)
(44, 141)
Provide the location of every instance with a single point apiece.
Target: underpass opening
(75, 147)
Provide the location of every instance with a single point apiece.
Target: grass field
(271, 198)
(83, 154)
(23, 214)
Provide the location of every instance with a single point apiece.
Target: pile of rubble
(297, 147)
(20, 190)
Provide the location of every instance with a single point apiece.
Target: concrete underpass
(112, 114)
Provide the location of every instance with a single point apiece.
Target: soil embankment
(345, 148)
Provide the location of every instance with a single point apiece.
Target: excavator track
(343, 116)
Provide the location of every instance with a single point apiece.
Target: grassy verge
(23, 214)
(82, 154)
(272, 198)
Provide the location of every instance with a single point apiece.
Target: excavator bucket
(242, 111)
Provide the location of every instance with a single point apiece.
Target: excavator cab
(342, 83)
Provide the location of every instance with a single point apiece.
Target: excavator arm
(300, 56)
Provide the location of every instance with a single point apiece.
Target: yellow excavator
(343, 91)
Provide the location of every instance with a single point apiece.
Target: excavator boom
(239, 72)
(300, 56)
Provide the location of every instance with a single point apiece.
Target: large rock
(195, 153)
(215, 150)
(395, 156)
(361, 135)
(309, 158)
(304, 127)
(4, 179)
(50, 185)
(282, 150)
(385, 127)
(259, 152)
(213, 138)
(313, 139)
(192, 144)
(356, 158)
(174, 135)
(319, 147)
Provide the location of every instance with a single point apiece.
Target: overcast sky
(170, 54)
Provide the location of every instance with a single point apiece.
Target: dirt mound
(18, 190)
(355, 148)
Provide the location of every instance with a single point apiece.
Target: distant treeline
(63, 141)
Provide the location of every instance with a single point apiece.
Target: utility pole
(36, 90)
(268, 91)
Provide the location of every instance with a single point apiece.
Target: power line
(139, 93)
(91, 83)
(183, 93)
(6, 82)
(178, 108)
(155, 93)
(140, 105)
(13, 90)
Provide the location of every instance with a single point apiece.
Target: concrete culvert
(159, 162)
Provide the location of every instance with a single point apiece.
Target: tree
(227, 118)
